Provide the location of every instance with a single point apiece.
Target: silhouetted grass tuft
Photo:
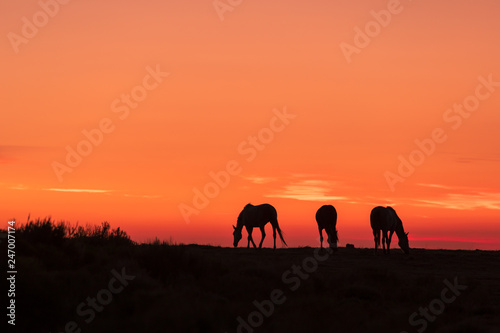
(48, 231)
(44, 231)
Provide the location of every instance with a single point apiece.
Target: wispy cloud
(477, 159)
(460, 197)
(145, 196)
(76, 190)
(486, 200)
(259, 180)
(436, 186)
(309, 190)
(86, 190)
(306, 175)
(18, 187)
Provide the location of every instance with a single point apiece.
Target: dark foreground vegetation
(95, 279)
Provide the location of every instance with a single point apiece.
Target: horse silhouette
(326, 216)
(385, 219)
(257, 217)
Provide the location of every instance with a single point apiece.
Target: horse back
(260, 215)
(326, 215)
(378, 218)
(382, 218)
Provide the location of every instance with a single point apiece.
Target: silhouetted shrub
(102, 234)
(44, 231)
(48, 231)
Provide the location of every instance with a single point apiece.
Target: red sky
(351, 105)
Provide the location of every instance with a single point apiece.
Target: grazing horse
(326, 216)
(257, 217)
(385, 219)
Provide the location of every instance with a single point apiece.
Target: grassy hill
(96, 279)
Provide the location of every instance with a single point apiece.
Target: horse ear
(407, 233)
(234, 227)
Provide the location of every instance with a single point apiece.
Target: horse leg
(263, 236)
(384, 239)
(336, 239)
(389, 241)
(274, 237)
(376, 237)
(250, 239)
(321, 237)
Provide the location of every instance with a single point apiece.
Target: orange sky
(352, 116)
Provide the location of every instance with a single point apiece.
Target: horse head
(403, 236)
(404, 243)
(237, 236)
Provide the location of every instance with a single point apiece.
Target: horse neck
(333, 234)
(240, 222)
(400, 231)
(330, 229)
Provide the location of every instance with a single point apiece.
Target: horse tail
(280, 233)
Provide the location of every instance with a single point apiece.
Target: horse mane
(398, 220)
(239, 222)
(400, 231)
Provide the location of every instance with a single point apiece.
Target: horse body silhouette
(384, 220)
(326, 216)
(257, 217)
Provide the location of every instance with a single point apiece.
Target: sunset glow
(165, 118)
